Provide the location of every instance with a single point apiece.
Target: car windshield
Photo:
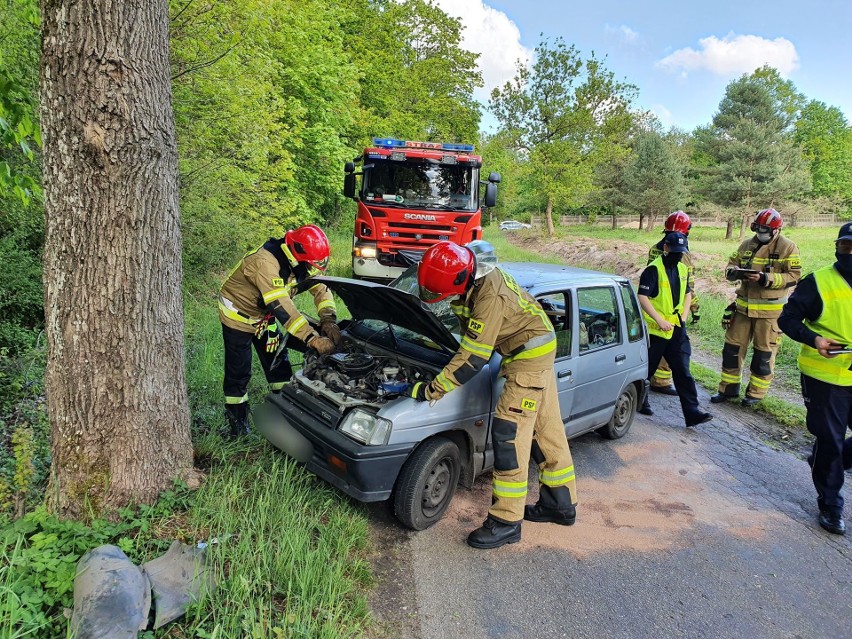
(408, 282)
(421, 184)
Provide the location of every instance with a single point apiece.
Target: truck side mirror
(490, 194)
(494, 177)
(349, 167)
(349, 185)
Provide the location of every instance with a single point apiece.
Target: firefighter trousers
(829, 409)
(662, 376)
(528, 409)
(238, 364)
(766, 335)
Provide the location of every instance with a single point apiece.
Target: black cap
(676, 242)
(845, 232)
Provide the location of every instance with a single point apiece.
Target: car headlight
(366, 427)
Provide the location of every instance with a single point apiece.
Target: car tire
(427, 483)
(622, 416)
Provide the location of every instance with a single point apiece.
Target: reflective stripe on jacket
(663, 302)
(497, 314)
(779, 260)
(835, 323)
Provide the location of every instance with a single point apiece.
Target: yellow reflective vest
(835, 322)
(663, 302)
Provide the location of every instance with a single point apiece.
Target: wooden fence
(827, 219)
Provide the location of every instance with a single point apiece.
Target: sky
(681, 55)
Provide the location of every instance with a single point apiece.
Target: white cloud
(628, 35)
(734, 55)
(663, 115)
(491, 34)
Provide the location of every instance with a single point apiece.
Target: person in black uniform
(665, 297)
(819, 316)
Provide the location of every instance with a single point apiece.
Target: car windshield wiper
(444, 207)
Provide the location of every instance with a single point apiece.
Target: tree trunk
(651, 218)
(743, 225)
(116, 386)
(641, 220)
(614, 221)
(548, 215)
(729, 228)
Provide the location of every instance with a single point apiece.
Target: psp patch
(528, 404)
(277, 281)
(475, 326)
(795, 262)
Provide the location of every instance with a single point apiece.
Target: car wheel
(622, 416)
(427, 483)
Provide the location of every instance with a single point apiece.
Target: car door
(601, 363)
(558, 306)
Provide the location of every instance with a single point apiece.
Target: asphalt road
(706, 532)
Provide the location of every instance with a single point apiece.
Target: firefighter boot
(237, 419)
(494, 534)
(544, 513)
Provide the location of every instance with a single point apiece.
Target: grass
(816, 246)
(291, 557)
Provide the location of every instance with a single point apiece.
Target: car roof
(534, 274)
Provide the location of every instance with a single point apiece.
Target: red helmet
(769, 218)
(678, 221)
(446, 269)
(308, 244)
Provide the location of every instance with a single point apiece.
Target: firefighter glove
(762, 280)
(321, 345)
(261, 327)
(273, 337)
(329, 328)
(420, 391)
(728, 315)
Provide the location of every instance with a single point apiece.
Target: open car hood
(368, 300)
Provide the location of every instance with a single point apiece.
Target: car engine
(359, 375)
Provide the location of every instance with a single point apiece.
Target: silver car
(348, 418)
(513, 225)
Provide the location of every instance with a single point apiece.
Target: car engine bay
(354, 376)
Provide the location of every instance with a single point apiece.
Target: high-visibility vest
(835, 322)
(663, 302)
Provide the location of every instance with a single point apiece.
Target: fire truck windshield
(416, 184)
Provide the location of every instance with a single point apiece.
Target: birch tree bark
(116, 386)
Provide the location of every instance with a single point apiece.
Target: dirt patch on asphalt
(652, 502)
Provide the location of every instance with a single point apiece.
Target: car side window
(631, 312)
(599, 324)
(558, 309)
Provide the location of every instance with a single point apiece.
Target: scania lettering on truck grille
(412, 195)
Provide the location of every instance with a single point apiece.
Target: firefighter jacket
(664, 302)
(496, 314)
(657, 250)
(835, 322)
(779, 260)
(264, 283)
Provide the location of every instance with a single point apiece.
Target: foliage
(826, 141)
(754, 164)
(653, 179)
(19, 131)
(565, 115)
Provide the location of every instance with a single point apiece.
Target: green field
(816, 246)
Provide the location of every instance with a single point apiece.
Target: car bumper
(367, 473)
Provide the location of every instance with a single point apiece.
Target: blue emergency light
(393, 143)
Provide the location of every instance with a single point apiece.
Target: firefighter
(257, 297)
(498, 315)
(766, 266)
(819, 315)
(677, 222)
(665, 298)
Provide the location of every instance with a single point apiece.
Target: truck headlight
(366, 250)
(366, 427)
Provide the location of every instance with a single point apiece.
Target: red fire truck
(412, 195)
